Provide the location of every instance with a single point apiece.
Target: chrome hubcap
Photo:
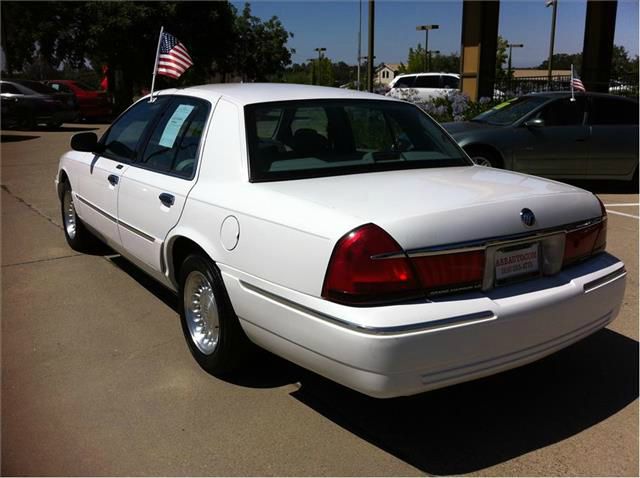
(481, 161)
(69, 215)
(201, 312)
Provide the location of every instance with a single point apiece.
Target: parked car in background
(93, 103)
(425, 85)
(343, 231)
(32, 103)
(549, 134)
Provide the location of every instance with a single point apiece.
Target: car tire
(54, 125)
(209, 324)
(75, 232)
(484, 157)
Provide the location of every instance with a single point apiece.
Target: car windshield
(37, 87)
(302, 139)
(510, 111)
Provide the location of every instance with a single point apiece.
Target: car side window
(427, 81)
(449, 81)
(8, 88)
(404, 82)
(173, 144)
(564, 112)
(610, 111)
(120, 142)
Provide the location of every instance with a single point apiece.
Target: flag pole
(155, 65)
(573, 96)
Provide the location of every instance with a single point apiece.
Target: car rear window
(511, 110)
(301, 139)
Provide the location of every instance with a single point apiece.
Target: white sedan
(344, 231)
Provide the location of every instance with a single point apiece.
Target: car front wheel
(484, 157)
(75, 232)
(212, 330)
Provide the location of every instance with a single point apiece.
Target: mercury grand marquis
(346, 232)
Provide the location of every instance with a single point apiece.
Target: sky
(334, 26)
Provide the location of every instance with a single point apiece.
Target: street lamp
(549, 3)
(426, 29)
(511, 47)
(319, 50)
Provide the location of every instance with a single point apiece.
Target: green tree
(501, 58)
(124, 36)
(563, 61)
(261, 48)
(415, 61)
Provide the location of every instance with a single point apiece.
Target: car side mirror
(534, 123)
(86, 142)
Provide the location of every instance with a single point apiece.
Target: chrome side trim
(97, 209)
(138, 232)
(391, 330)
(480, 244)
(594, 284)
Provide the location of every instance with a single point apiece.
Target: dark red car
(93, 103)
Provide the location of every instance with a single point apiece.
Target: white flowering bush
(454, 106)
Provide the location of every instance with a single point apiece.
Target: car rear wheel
(211, 328)
(484, 157)
(77, 235)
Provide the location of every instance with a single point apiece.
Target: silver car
(594, 136)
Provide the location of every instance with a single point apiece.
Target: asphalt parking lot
(97, 379)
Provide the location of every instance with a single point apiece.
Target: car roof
(567, 94)
(251, 93)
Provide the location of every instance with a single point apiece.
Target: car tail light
(447, 272)
(585, 242)
(356, 277)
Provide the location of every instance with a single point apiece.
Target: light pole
(511, 47)
(426, 29)
(359, 39)
(371, 44)
(553, 3)
(320, 50)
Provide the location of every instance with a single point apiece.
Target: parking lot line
(623, 204)
(622, 214)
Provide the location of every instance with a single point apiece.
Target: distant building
(530, 72)
(386, 72)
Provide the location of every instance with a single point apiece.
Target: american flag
(576, 83)
(173, 59)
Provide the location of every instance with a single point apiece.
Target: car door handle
(167, 199)
(113, 179)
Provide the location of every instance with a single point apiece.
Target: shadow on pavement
(468, 427)
(153, 286)
(471, 426)
(14, 138)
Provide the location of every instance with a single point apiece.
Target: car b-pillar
(479, 46)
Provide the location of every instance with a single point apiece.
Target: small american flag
(173, 59)
(576, 83)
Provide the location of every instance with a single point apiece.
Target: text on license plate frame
(517, 263)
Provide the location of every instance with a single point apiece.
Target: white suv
(425, 86)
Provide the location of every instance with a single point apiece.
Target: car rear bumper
(411, 348)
